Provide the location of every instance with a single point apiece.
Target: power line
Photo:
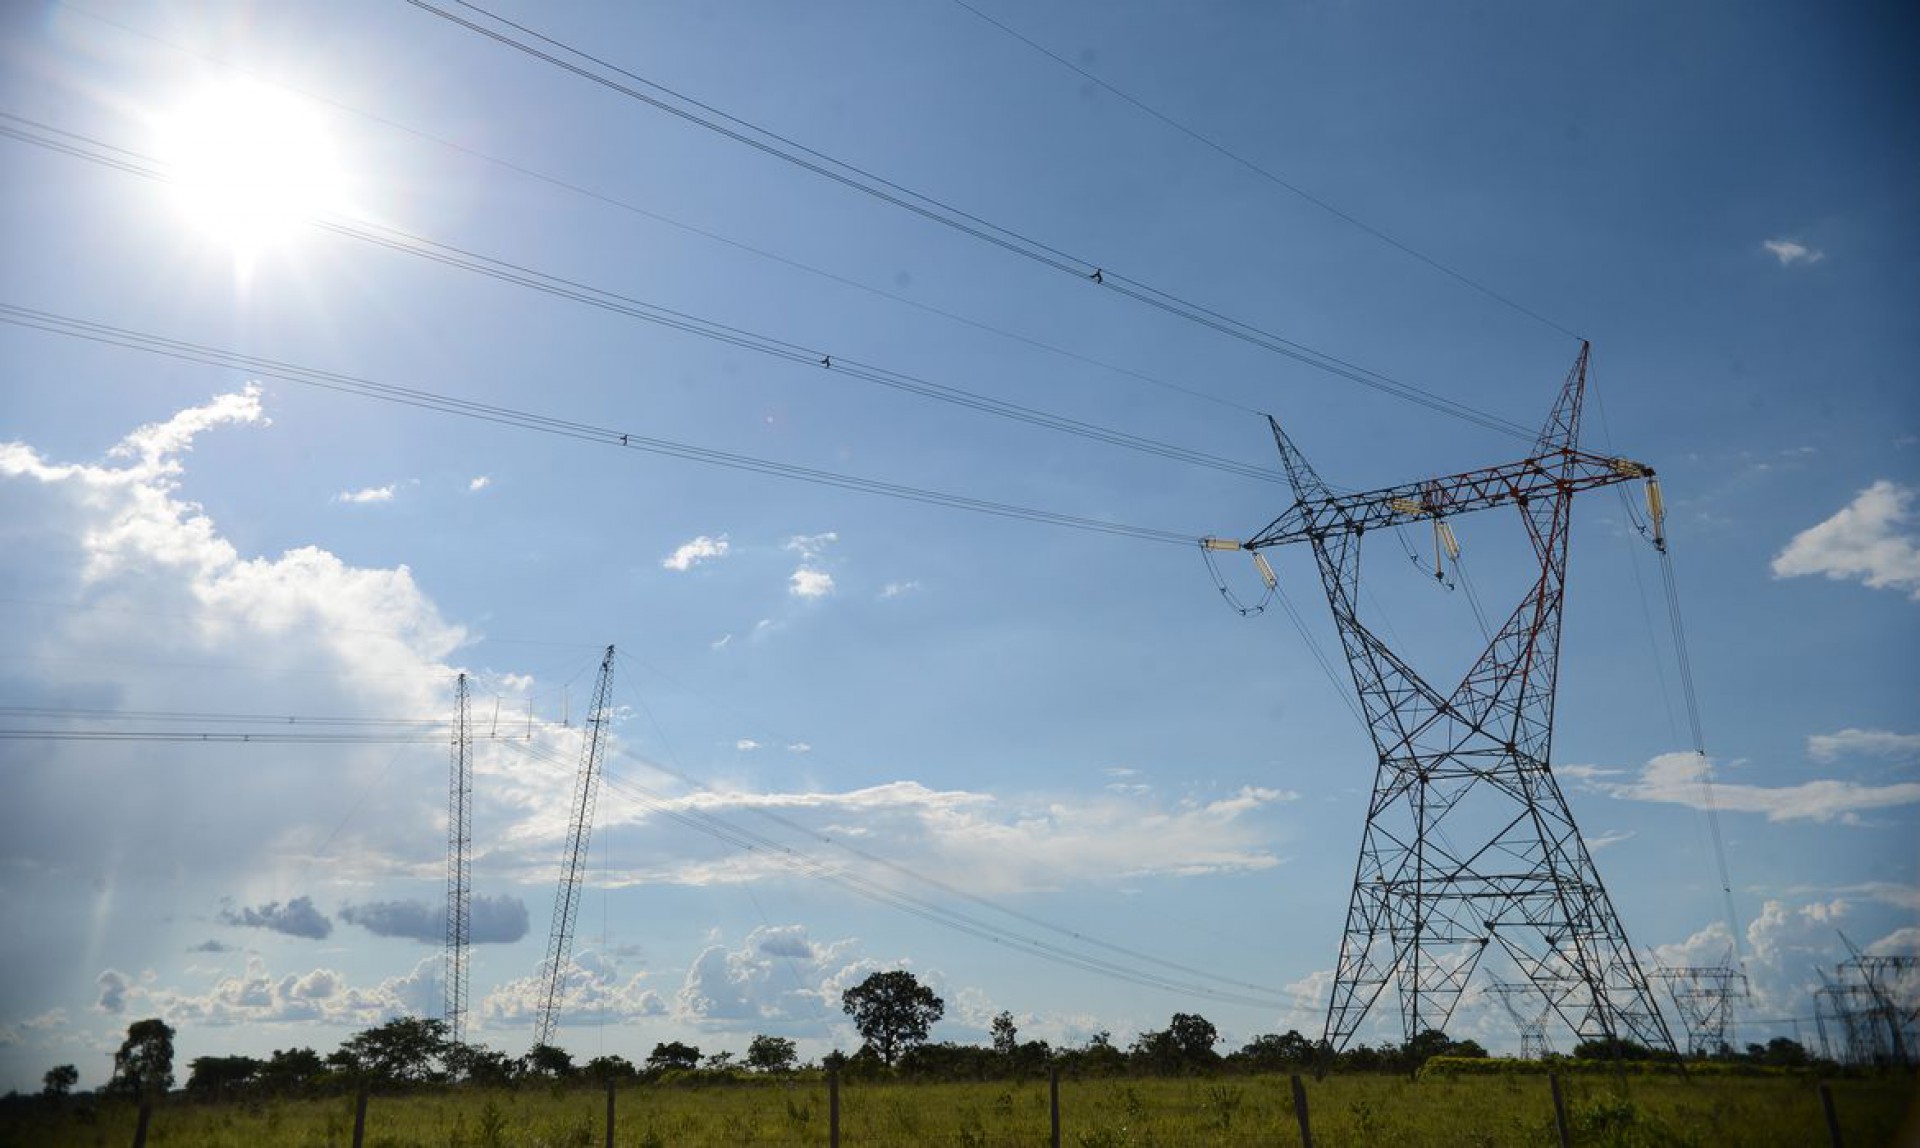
(713, 236)
(546, 424)
(76, 144)
(927, 207)
(1269, 175)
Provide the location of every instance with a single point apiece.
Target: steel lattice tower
(1704, 996)
(1469, 844)
(459, 873)
(566, 906)
(1529, 1011)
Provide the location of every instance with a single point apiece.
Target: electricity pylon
(1469, 844)
(1704, 996)
(459, 846)
(566, 906)
(1529, 1011)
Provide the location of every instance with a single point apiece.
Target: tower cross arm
(1564, 471)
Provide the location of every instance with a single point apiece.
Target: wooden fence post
(1300, 1111)
(833, 1109)
(1559, 1111)
(1053, 1104)
(360, 1118)
(1833, 1117)
(610, 1087)
(140, 1128)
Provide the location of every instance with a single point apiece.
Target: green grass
(1118, 1113)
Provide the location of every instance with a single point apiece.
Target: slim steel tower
(566, 906)
(1469, 845)
(459, 846)
(1704, 996)
(1529, 1012)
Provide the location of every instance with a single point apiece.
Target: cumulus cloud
(1789, 252)
(1865, 540)
(366, 494)
(777, 975)
(256, 996)
(1683, 779)
(1861, 742)
(701, 549)
(746, 745)
(808, 580)
(114, 986)
(896, 589)
(480, 482)
(297, 918)
(211, 946)
(491, 921)
(594, 990)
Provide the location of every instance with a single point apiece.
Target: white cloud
(701, 549)
(1682, 779)
(1862, 541)
(896, 589)
(367, 494)
(1788, 252)
(1849, 742)
(593, 991)
(256, 997)
(811, 546)
(807, 582)
(777, 975)
(746, 745)
(480, 482)
(799, 747)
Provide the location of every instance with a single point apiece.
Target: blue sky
(1062, 733)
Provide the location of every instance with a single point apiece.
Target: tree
(145, 1061)
(222, 1075)
(1272, 1052)
(1185, 1045)
(673, 1054)
(479, 1065)
(609, 1068)
(893, 1012)
(546, 1060)
(292, 1070)
(1006, 1038)
(771, 1054)
(405, 1050)
(59, 1080)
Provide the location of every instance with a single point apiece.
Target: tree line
(892, 1011)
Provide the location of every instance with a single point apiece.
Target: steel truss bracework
(1529, 1012)
(566, 905)
(459, 873)
(1469, 844)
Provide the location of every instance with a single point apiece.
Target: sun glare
(249, 165)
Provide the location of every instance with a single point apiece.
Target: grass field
(1246, 1110)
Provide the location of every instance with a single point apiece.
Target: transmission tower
(459, 847)
(567, 905)
(1704, 996)
(1469, 844)
(1529, 1010)
(1886, 979)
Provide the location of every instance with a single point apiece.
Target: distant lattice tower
(1887, 1007)
(459, 872)
(566, 905)
(1704, 998)
(1469, 844)
(1529, 1009)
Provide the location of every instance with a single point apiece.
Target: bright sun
(249, 165)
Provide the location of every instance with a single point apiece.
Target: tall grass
(1457, 1112)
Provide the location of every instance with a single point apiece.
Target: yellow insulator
(1443, 533)
(1219, 544)
(1266, 571)
(1657, 510)
(1407, 506)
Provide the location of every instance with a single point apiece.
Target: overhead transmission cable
(662, 98)
(1269, 175)
(798, 861)
(564, 428)
(681, 225)
(75, 144)
(923, 878)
